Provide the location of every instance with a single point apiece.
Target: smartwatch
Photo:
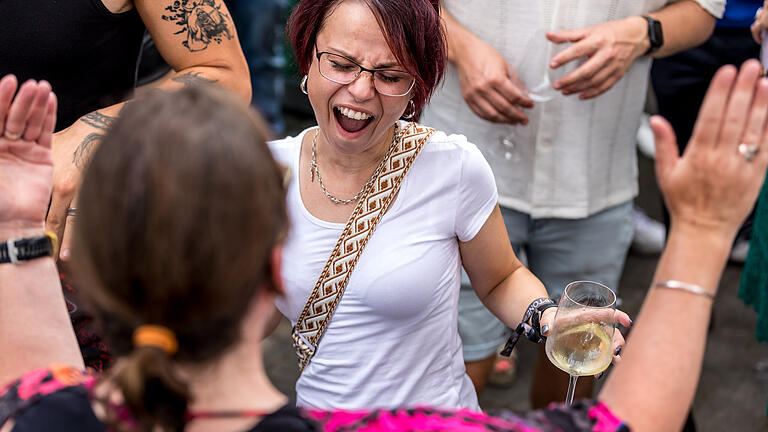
(655, 34)
(24, 249)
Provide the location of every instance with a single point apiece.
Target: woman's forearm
(652, 389)
(510, 298)
(35, 328)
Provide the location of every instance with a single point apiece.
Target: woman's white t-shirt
(393, 340)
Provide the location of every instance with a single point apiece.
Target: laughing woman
(384, 212)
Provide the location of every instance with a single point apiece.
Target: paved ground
(732, 394)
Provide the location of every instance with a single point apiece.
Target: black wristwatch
(24, 249)
(655, 34)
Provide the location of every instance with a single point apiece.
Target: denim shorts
(557, 251)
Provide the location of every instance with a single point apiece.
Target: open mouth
(350, 120)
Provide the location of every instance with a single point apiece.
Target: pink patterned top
(57, 397)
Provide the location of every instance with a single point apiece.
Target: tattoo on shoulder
(82, 153)
(192, 78)
(98, 120)
(202, 20)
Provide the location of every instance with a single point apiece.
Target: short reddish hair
(412, 28)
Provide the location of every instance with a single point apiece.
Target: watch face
(657, 37)
(655, 34)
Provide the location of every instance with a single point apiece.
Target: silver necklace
(315, 172)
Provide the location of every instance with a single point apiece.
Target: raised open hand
(716, 182)
(26, 170)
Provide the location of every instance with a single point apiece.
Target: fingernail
(544, 329)
(556, 85)
(630, 321)
(600, 375)
(554, 64)
(618, 350)
(65, 254)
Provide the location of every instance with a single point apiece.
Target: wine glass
(581, 340)
(532, 67)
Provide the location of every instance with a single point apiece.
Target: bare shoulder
(118, 6)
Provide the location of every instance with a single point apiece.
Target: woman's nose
(362, 88)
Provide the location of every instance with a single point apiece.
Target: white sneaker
(645, 140)
(649, 234)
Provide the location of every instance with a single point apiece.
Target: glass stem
(571, 390)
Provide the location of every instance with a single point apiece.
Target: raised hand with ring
(734, 113)
(27, 119)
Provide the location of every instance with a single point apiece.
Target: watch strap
(655, 35)
(25, 249)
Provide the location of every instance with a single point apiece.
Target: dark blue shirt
(739, 13)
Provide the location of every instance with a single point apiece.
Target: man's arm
(611, 47)
(199, 43)
(198, 40)
(686, 24)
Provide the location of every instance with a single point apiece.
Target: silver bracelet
(691, 288)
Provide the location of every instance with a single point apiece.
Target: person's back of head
(180, 209)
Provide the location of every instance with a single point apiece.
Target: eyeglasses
(343, 70)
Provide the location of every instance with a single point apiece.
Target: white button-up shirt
(575, 157)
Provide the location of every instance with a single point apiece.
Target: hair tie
(155, 336)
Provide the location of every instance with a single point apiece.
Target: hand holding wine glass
(581, 340)
(604, 53)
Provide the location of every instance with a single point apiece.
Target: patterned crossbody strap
(371, 206)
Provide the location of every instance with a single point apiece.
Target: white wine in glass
(582, 350)
(581, 340)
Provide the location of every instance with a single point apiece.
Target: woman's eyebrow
(351, 57)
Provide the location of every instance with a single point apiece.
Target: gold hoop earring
(303, 84)
(413, 110)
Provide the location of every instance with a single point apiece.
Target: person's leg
(481, 332)
(564, 250)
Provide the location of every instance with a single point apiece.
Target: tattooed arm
(197, 39)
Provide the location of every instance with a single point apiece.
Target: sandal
(504, 371)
